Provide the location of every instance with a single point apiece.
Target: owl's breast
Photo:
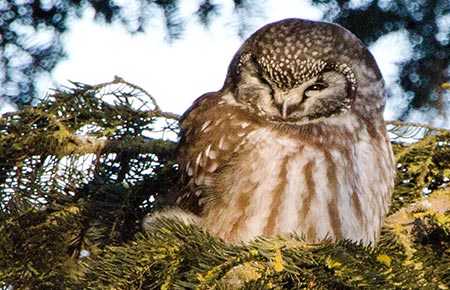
(279, 184)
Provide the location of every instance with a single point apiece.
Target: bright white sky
(176, 74)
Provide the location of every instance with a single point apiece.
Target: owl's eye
(316, 87)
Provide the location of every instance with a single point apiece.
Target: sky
(177, 73)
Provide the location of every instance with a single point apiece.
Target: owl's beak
(284, 107)
(284, 100)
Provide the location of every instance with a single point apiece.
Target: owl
(294, 142)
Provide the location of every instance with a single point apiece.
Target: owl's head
(297, 71)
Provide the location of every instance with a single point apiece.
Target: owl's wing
(212, 131)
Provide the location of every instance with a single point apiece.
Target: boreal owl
(295, 140)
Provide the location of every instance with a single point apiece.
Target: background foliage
(31, 30)
(80, 171)
(428, 28)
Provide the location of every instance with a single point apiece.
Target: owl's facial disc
(321, 96)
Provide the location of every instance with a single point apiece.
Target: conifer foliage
(80, 171)
(77, 173)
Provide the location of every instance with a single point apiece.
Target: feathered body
(295, 141)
